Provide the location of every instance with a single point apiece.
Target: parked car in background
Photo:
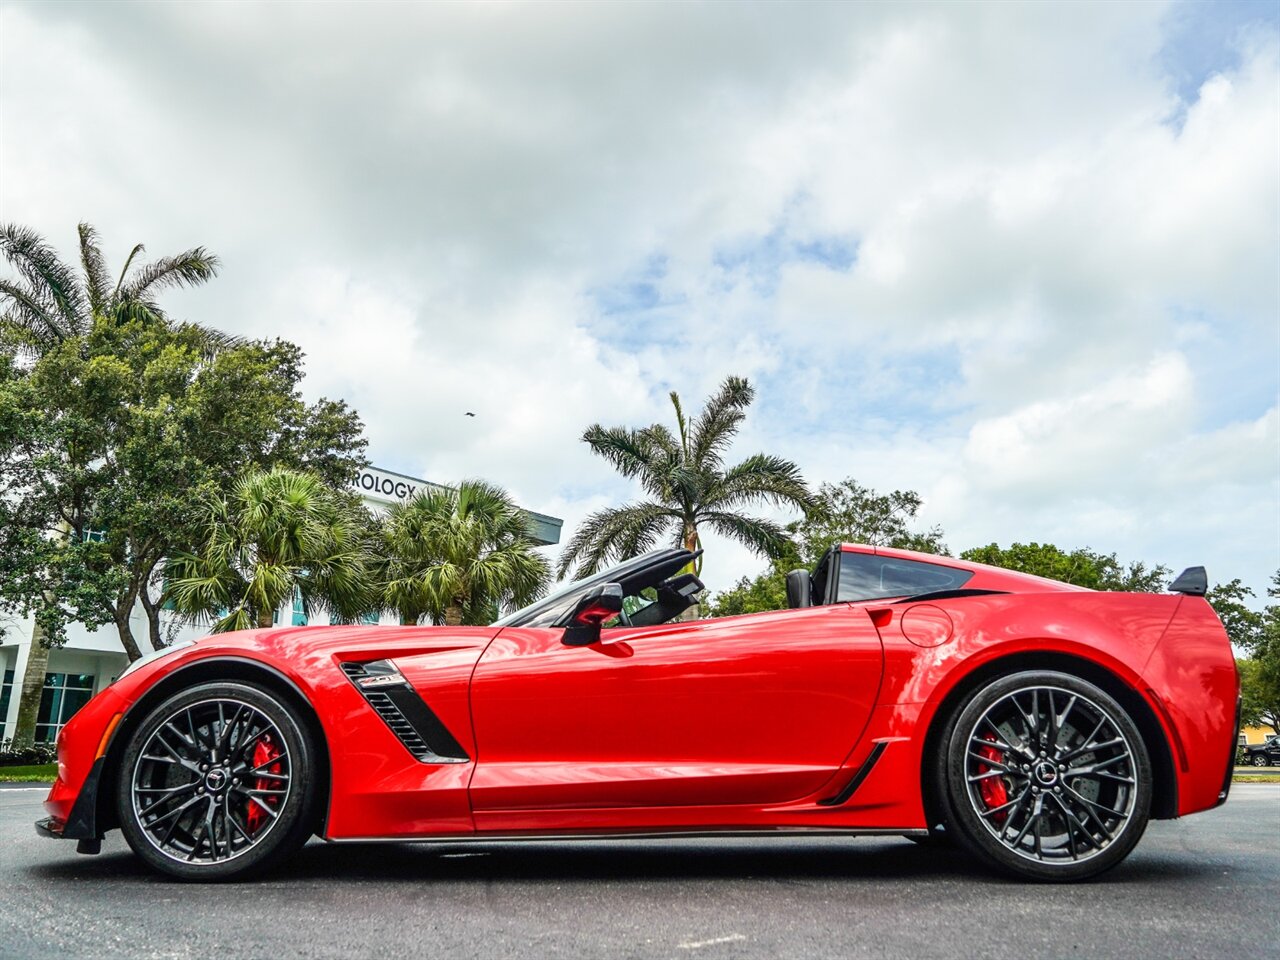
(1263, 754)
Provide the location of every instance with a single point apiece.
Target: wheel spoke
(174, 812)
(168, 796)
(1017, 801)
(1090, 744)
(1071, 822)
(995, 764)
(224, 741)
(1060, 721)
(264, 806)
(1095, 767)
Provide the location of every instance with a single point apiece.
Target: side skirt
(701, 834)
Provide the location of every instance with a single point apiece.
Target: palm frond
(682, 425)
(757, 533)
(628, 451)
(25, 311)
(614, 534)
(761, 478)
(714, 428)
(512, 571)
(95, 269)
(48, 278)
(124, 271)
(187, 269)
(208, 341)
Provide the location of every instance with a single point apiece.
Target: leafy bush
(13, 756)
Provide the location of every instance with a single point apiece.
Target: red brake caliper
(993, 790)
(265, 751)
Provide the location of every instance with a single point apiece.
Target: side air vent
(404, 712)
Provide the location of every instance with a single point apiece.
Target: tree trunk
(266, 619)
(691, 543)
(152, 609)
(153, 620)
(407, 620)
(120, 613)
(32, 688)
(690, 536)
(453, 615)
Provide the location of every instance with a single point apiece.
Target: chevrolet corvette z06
(1036, 724)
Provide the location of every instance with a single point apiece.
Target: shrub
(14, 756)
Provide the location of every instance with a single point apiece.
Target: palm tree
(50, 304)
(456, 555)
(687, 484)
(279, 531)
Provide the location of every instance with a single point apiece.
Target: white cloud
(1061, 321)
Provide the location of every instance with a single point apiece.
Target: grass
(35, 773)
(1253, 778)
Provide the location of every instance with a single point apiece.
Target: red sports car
(1038, 725)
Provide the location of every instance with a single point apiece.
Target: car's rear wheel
(216, 783)
(1047, 777)
(1260, 760)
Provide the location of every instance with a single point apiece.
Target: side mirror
(799, 589)
(595, 607)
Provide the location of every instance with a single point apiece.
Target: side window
(864, 576)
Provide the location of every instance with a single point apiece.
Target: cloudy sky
(1023, 259)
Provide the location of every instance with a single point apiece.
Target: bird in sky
(469, 414)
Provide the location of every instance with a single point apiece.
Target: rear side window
(864, 576)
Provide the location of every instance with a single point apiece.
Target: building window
(299, 610)
(370, 619)
(6, 690)
(95, 536)
(63, 695)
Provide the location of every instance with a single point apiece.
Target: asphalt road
(1206, 886)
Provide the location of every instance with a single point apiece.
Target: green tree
(1259, 694)
(845, 512)
(279, 532)
(1083, 567)
(42, 309)
(120, 435)
(115, 424)
(687, 486)
(1259, 634)
(1243, 624)
(456, 555)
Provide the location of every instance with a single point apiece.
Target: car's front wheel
(1048, 777)
(1260, 760)
(216, 783)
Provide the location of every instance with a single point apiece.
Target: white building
(91, 659)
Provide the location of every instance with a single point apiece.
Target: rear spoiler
(1193, 581)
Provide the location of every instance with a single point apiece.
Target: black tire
(1260, 760)
(217, 783)
(1046, 777)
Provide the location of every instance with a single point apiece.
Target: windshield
(647, 570)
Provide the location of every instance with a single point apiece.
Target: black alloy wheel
(1047, 777)
(217, 783)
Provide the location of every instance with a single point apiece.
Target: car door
(757, 709)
